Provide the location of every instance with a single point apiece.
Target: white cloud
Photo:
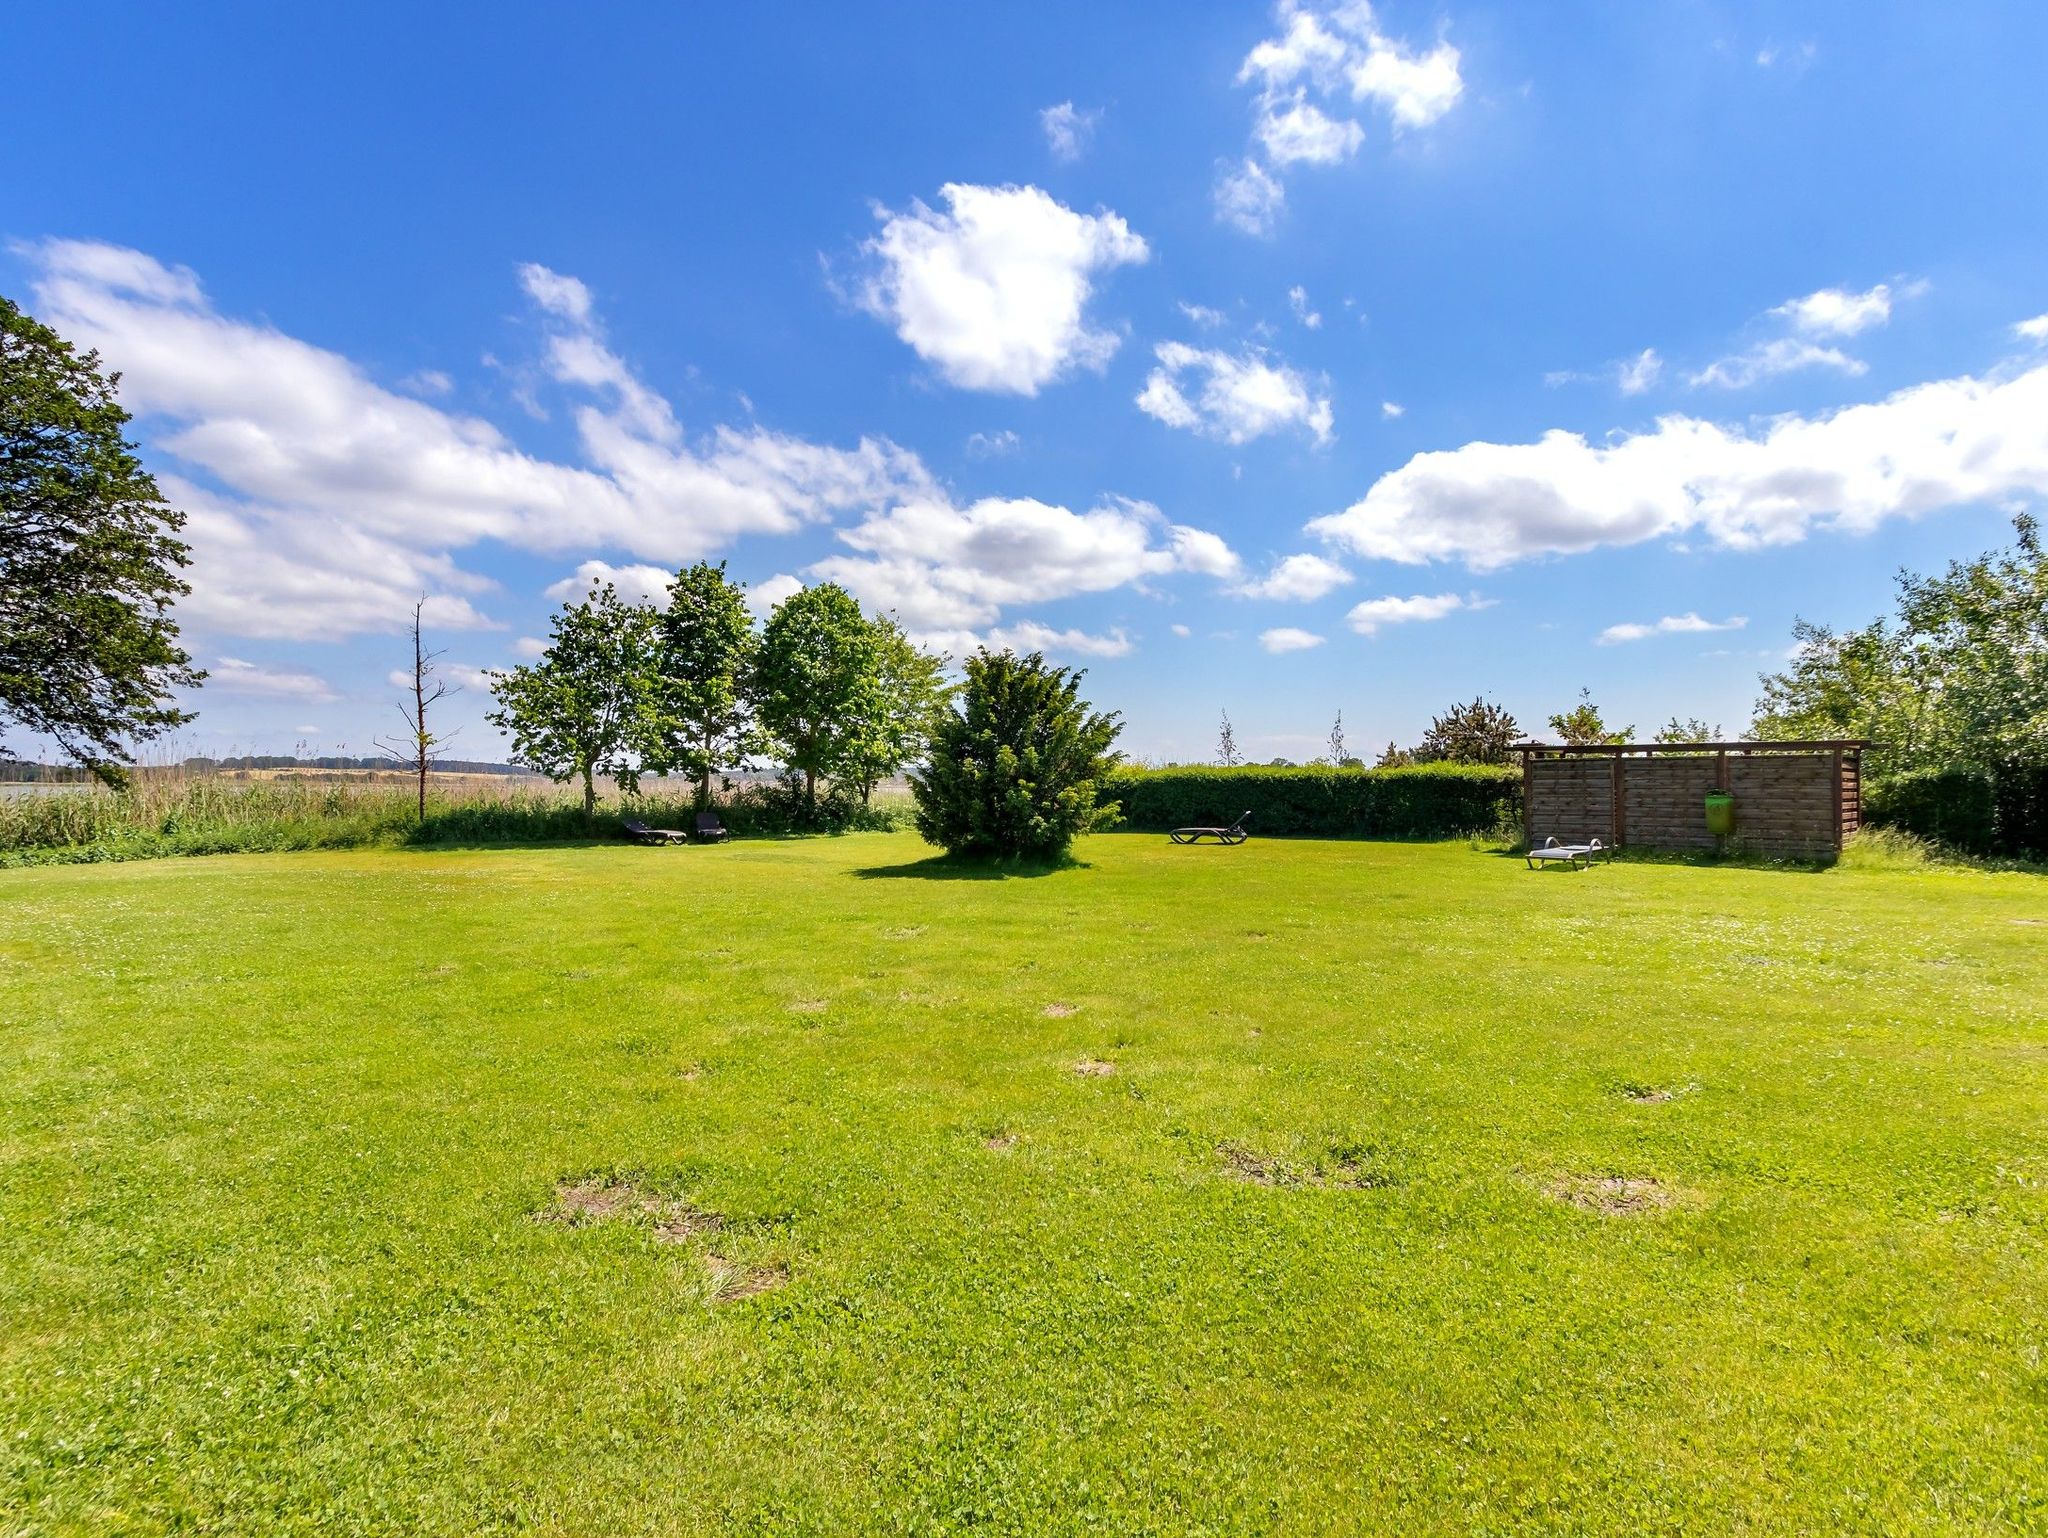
(335, 502)
(1943, 444)
(1181, 630)
(1030, 636)
(1374, 614)
(1323, 52)
(234, 675)
(945, 568)
(427, 381)
(992, 445)
(1294, 130)
(1339, 46)
(1298, 579)
(1766, 360)
(635, 584)
(1286, 638)
(1392, 409)
(1068, 130)
(1240, 397)
(1840, 313)
(529, 647)
(994, 291)
(2035, 330)
(1297, 301)
(764, 597)
(1640, 373)
(1209, 319)
(1248, 197)
(1671, 624)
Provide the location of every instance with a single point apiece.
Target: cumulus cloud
(1030, 636)
(993, 291)
(1392, 409)
(1248, 197)
(1181, 630)
(1285, 638)
(529, 647)
(1298, 579)
(322, 504)
(1068, 130)
(1932, 446)
(2035, 330)
(1670, 624)
(635, 583)
(764, 597)
(940, 567)
(1232, 397)
(1375, 614)
(1294, 130)
(1297, 301)
(235, 675)
(1837, 312)
(1327, 55)
(1209, 319)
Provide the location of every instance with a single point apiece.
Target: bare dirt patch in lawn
(732, 1281)
(1094, 1068)
(1614, 1196)
(1061, 1011)
(604, 1199)
(1346, 1169)
(999, 1142)
(807, 1006)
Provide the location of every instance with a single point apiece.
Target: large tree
(908, 701)
(1582, 726)
(1015, 770)
(587, 706)
(817, 685)
(89, 559)
(1959, 677)
(707, 642)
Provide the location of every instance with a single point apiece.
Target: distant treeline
(19, 773)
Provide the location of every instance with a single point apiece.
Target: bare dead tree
(417, 751)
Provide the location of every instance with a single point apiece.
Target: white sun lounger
(1577, 856)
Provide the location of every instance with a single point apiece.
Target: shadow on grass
(949, 867)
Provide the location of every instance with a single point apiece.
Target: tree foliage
(89, 559)
(1016, 769)
(1581, 726)
(1227, 753)
(1690, 730)
(703, 715)
(1478, 733)
(907, 701)
(587, 707)
(1958, 677)
(817, 686)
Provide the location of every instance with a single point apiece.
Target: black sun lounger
(641, 833)
(1234, 834)
(710, 830)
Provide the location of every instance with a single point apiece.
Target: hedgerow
(1419, 801)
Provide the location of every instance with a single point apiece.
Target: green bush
(1955, 807)
(1418, 801)
(2020, 808)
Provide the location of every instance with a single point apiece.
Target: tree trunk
(811, 795)
(704, 788)
(589, 798)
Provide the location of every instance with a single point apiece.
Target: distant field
(794, 1187)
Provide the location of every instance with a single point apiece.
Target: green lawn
(1321, 1251)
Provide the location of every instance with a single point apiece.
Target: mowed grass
(275, 1132)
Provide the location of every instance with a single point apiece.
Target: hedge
(1423, 801)
(1956, 807)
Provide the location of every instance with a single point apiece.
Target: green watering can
(1720, 813)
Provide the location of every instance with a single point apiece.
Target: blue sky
(1273, 360)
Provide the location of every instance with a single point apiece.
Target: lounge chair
(1575, 856)
(710, 830)
(1234, 834)
(640, 833)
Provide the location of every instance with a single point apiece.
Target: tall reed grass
(169, 813)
